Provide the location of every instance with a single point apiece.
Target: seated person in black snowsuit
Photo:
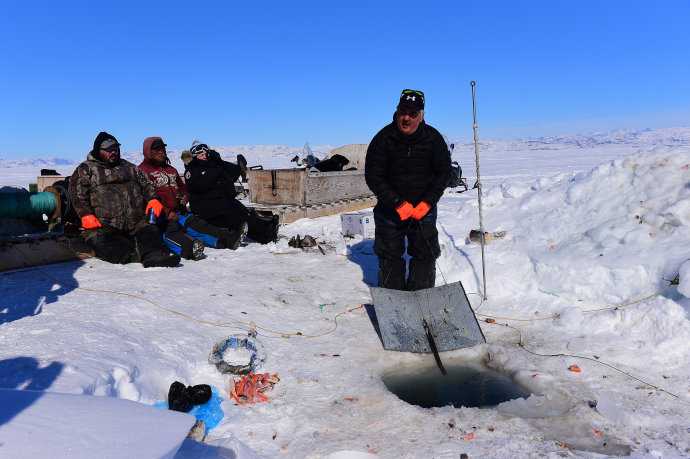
(407, 167)
(211, 184)
(112, 197)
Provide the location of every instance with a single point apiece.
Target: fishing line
(428, 303)
(522, 346)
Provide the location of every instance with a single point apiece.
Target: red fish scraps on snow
(250, 388)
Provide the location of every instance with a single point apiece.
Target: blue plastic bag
(210, 412)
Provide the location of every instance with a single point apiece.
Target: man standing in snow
(407, 167)
(112, 197)
(184, 233)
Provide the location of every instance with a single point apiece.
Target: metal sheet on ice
(446, 309)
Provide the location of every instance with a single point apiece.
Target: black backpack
(456, 179)
(262, 228)
(455, 175)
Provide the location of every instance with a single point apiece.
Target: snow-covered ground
(591, 222)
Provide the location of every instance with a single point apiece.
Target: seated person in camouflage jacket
(112, 197)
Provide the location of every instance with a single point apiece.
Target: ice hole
(469, 384)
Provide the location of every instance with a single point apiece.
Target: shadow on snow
(24, 293)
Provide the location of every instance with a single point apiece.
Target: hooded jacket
(165, 178)
(411, 168)
(211, 185)
(115, 193)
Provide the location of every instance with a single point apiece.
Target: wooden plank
(325, 187)
(287, 188)
(48, 180)
(290, 214)
(297, 187)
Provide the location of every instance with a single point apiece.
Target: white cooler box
(358, 223)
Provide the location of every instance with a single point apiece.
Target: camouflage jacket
(116, 195)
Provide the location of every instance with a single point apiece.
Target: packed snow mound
(585, 233)
(69, 425)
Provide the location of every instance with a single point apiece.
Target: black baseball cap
(158, 144)
(412, 98)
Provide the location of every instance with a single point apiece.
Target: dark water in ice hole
(466, 384)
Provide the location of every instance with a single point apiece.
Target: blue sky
(330, 73)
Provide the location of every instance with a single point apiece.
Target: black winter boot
(199, 394)
(237, 237)
(197, 249)
(178, 399)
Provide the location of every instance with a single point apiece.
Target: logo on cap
(108, 142)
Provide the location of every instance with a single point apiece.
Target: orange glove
(90, 221)
(421, 210)
(405, 210)
(156, 205)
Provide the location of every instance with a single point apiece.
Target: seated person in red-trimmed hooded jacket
(183, 232)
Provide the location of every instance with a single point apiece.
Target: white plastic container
(358, 223)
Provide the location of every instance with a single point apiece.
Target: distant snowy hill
(273, 155)
(21, 172)
(280, 155)
(669, 137)
(44, 162)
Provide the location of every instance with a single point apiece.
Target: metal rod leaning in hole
(432, 344)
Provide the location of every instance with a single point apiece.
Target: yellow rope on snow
(252, 324)
(587, 310)
(287, 335)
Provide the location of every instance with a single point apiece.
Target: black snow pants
(232, 217)
(119, 246)
(261, 229)
(422, 247)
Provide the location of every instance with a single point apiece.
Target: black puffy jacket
(413, 169)
(211, 185)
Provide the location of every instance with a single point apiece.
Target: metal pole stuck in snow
(478, 185)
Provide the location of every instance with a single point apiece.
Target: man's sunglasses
(412, 91)
(411, 113)
(111, 149)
